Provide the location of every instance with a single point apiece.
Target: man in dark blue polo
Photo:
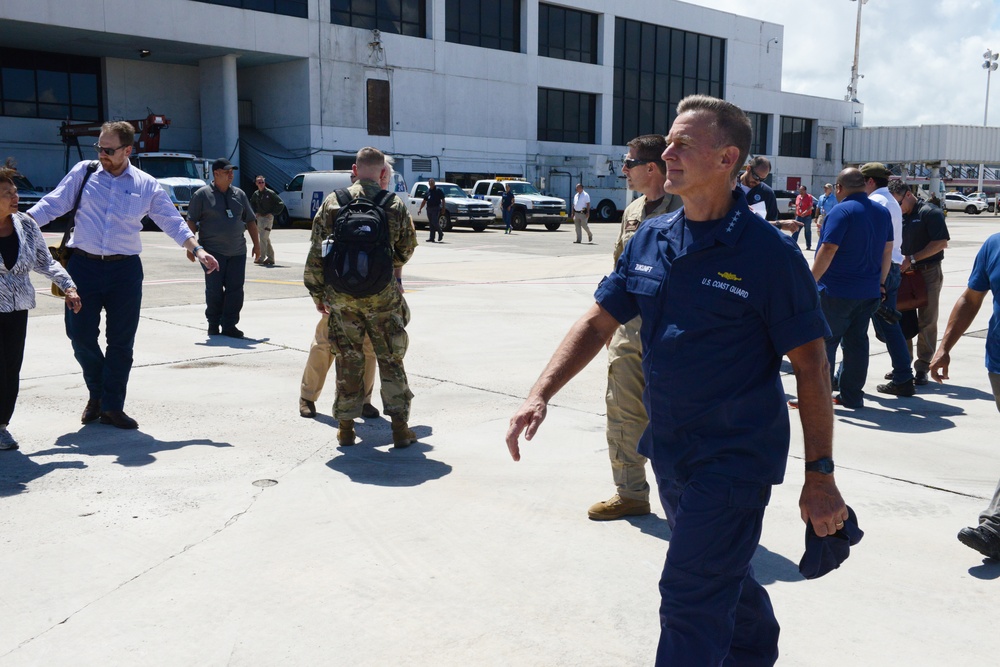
(723, 297)
(852, 261)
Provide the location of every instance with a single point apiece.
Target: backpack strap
(343, 197)
(91, 168)
(383, 199)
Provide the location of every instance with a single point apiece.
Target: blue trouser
(434, 222)
(507, 212)
(892, 334)
(115, 288)
(712, 610)
(806, 227)
(224, 290)
(848, 321)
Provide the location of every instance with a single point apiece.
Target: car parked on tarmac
(786, 204)
(954, 201)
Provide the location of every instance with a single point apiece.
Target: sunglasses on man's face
(631, 163)
(107, 151)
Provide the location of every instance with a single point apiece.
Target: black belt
(103, 258)
(582, 210)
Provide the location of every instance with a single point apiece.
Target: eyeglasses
(755, 176)
(107, 151)
(630, 163)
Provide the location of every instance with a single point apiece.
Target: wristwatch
(823, 465)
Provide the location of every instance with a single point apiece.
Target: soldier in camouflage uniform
(382, 316)
(627, 419)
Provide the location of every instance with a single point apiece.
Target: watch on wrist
(823, 465)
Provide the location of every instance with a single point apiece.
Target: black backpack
(357, 256)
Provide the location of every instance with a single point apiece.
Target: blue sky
(921, 59)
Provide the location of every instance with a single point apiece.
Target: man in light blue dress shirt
(105, 262)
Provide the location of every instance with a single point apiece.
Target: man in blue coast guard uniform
(723, 296)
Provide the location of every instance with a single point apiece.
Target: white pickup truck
(530, 205)
(459, 208)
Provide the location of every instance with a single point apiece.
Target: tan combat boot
(402, 435)
(345, 434)
(617, 507)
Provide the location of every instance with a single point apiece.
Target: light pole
(852, 89)
(989, 64)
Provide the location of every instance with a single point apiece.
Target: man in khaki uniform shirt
(645, 171)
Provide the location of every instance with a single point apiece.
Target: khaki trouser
(264, 225)
(321, 358)
(580, 222)
(626, 414)
(927, 319)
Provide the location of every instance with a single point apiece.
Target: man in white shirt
(105, 262)
(581, 213)
(876, 185)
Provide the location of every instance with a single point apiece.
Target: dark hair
(731, 123)
(650, 147)
(7, 175)
(898, 187)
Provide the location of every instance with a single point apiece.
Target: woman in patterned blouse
(22, 250)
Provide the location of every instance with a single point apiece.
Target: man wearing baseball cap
(220, 213)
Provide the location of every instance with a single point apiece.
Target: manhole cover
(265, 482)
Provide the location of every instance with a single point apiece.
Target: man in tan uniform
(645, 171)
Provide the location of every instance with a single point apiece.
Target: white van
(305, 193)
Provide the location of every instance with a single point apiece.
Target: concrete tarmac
(228, 530)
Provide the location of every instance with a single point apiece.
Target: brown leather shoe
(307, 409)
(118, 419)
(92, 412)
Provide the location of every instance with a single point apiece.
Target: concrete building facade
(547, 90)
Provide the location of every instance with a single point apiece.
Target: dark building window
(567, 34)
(298, 8)
(758, 121)
(492, 24)
(565, 115)
(397, 17)
(796, 137)
(655, 68)
(50, 85)
(379, 118)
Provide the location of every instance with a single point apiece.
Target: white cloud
(921, 59)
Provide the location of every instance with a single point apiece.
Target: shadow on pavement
(17, 470)
(990, 569)
(770, 567)
(132, 448)
(903, 415)
(365, 464)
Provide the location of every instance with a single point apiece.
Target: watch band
(823, 465)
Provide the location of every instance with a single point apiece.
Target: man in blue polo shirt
(985, 278)
(852, 261)
(723, 297)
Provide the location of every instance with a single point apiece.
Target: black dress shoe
(920, 379)
(213, 329)
(92, 412)
(232, 332)
(118, 419)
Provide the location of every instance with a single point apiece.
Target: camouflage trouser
(385, 326)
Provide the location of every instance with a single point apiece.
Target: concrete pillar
(220, 118)
(934, 186)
